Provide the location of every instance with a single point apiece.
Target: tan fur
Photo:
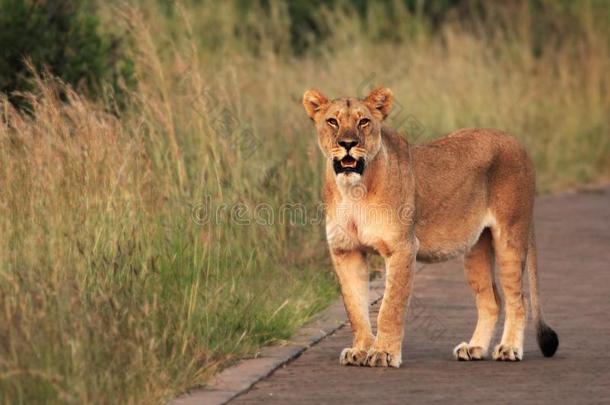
(469, 193)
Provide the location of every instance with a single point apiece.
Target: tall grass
(116, 285)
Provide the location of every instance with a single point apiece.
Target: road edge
(237, 379)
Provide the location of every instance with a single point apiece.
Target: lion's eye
(332, 122)
(364, 122)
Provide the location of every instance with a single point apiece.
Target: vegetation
(63, 37)
(143, 248)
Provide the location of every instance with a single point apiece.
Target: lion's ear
(380, 99)
(313, 101)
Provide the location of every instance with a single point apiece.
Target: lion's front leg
(353, 274)
(386, 350)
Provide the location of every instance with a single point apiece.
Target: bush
(62, 36)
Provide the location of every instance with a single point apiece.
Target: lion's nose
(348, 144)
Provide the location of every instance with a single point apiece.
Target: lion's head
(349, 129)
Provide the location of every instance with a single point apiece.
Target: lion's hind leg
(478, 265)
(510, 243)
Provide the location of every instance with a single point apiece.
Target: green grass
(112, 289)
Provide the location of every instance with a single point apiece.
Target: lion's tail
(547, 338)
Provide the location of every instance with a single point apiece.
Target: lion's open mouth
(348, 164)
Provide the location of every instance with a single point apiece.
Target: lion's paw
(507, 353)
(377, 358)
(465, 352)
(352, 356)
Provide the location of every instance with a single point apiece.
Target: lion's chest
(354, 226)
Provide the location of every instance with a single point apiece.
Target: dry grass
(110, 290)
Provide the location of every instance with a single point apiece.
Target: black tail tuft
(547, 340)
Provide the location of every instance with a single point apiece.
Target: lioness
(469, 193)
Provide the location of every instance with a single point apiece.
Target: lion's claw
(465, 352)
(352, 356)
(507, 353)
(377, 358)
